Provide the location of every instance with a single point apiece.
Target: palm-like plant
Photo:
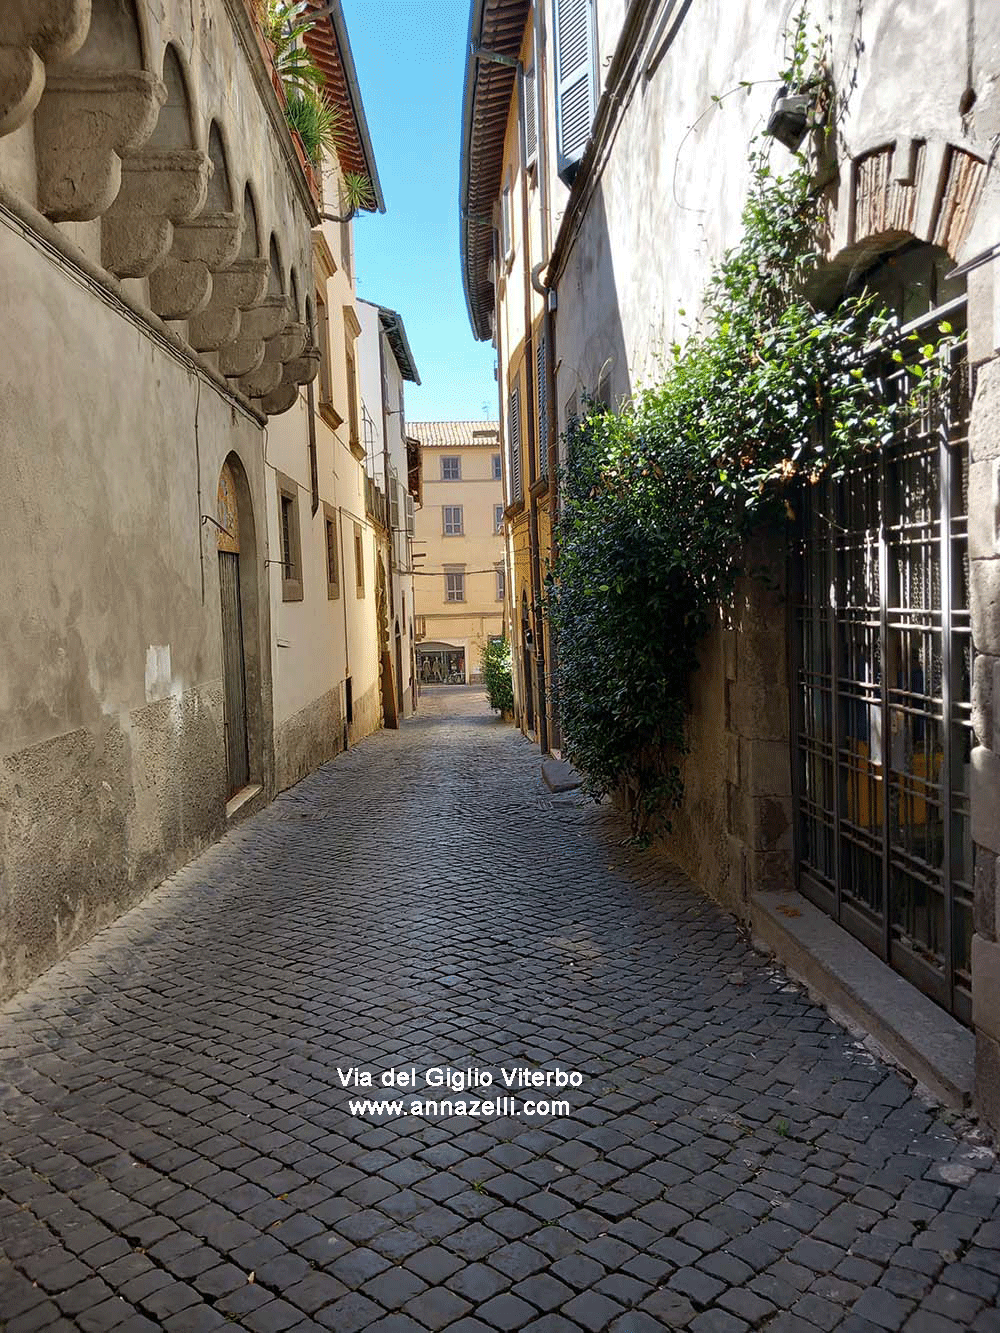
(285, 23)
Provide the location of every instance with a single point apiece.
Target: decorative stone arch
(100, 105)
(237, 543)
(898, 190)
(181, 286)
(165, 184)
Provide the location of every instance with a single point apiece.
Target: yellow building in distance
(460, 583)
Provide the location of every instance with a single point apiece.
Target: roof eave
(476, 12)
(391, 322)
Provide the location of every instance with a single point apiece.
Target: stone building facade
(161, 265)
(849, 762)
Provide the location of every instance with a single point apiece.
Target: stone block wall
(984, 573)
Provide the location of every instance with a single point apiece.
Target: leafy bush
(657, 500)
(497, 675)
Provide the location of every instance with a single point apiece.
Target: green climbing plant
(658, 499)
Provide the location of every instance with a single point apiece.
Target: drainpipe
(529, 375)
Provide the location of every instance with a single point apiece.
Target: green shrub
(656, 501)
(497, 675)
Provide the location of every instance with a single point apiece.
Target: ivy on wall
(658, 499)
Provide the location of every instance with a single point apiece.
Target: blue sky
(410, 58)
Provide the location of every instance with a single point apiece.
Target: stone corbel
(257, 326)
(300, 370)
(33, 33)
(85, 124)
(267, 378)
(160, 188)
(235, 289)
(181, 286)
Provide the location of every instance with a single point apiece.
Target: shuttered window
(514, 442)
(530, 117)
(543, 409)
(575, 82)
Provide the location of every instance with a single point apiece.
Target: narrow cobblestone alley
(177, 1150)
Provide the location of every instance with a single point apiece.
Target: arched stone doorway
(236, 543)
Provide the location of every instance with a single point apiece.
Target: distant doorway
(233, 646)
(527, 665)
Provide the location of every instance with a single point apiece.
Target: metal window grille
(882, 680)
(287, 521)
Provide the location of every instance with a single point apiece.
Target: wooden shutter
(543, 410)
(514, 438)
(575, 80)
(530, 117)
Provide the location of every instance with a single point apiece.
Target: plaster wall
(112, 750)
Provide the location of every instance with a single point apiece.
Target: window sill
(357, 451)
(291, 590)
(540, 487)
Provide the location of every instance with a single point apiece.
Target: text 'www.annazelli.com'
(474, 1092)
(429, 1109)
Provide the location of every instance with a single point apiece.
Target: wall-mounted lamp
(789, 118)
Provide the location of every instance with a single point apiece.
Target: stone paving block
(200, 1117)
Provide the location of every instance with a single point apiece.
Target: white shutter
(530, 117)
(575, 81)
(409, 514)
(543, 410)
(394, 489)
(514, 438)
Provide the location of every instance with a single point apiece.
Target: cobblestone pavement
(178, 1151)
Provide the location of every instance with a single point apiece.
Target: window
(359, 560)
(541, 386)
(288, 533)
(454, 585)
(498, 518)
(514, 443)
(506, 236)
(497, 467)
(352, 393)
(451, 468)
(452, 520)
(332, 551)
(530, 117)
(501, 583)
(345, 247)
(323, 338)
(575, 82)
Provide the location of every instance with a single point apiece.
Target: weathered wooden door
(233, 658)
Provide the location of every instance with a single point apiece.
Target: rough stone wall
(312, 737)
(733, 834)
(367, 715)
(112, 751)
(984, 552)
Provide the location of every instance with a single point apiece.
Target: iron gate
(881, 709)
